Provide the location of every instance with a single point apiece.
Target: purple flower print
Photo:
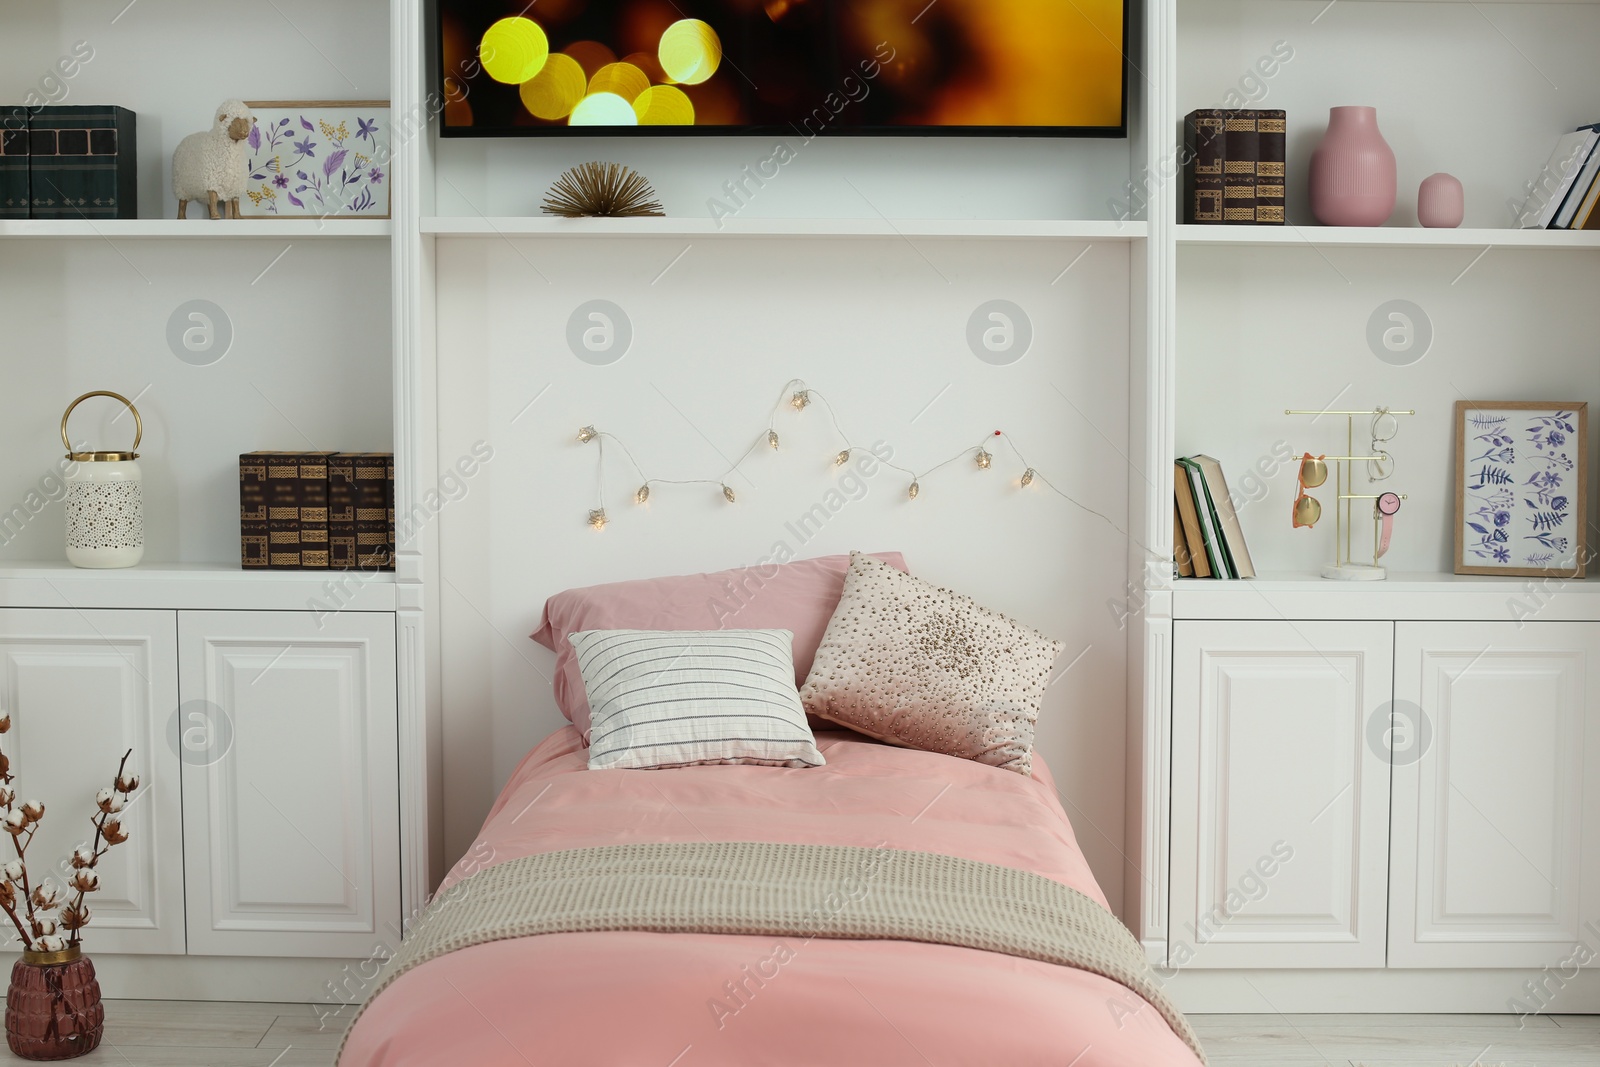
(306, 148)
(1502, 554)
(376, 176)
(281, 182)
(1558, 503)
(366, 128)
(1501, 518)
(1556, 437)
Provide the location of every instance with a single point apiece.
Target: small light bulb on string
(800, 399)
(727, 494)
(842, 458)
(597, 518)
(643, 495)
(587, 434)
(983, 459)
(911, 493)
(772, 439)
(1027, 477)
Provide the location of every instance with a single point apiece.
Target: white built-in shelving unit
(337, 341)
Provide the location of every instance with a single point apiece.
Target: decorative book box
(82, 163)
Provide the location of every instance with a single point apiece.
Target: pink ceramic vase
(1353, 174)
(1441, 202)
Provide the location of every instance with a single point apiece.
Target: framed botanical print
(324, 159)
(1522, 476)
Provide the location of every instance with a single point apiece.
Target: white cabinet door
(291, 819)
(82, 688)
(1496, 857)
(1280, 803)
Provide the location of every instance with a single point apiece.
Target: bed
(626, 997)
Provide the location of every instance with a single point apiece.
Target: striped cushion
(668, 698)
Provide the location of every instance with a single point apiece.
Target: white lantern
(105, 499)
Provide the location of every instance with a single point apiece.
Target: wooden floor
(153, 1033)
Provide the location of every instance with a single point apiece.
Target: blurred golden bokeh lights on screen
(664, 105)
(514, 50)
(555, 90)
(604, 109)
(690, 51)
(811, 66)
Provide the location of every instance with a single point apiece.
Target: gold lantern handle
(103, 457)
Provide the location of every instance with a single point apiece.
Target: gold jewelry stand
(1343, 568)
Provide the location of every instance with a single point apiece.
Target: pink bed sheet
(689, 1000)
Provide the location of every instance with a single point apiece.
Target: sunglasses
(1313, 472)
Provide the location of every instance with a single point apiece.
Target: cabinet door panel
(1280, 803)
(292, 830)
(1490, 841)
(82, 688)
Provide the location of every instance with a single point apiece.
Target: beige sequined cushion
(915, 665)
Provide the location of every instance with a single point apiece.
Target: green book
(14, 186)
(83, 163)
(1210, 528)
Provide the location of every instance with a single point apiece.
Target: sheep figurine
(213, 166)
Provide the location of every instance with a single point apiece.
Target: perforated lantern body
(105, 501)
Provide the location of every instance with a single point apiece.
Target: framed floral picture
(318, 159)
(1522, 475)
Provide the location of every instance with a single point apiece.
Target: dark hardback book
(313, 500)
(372, 509)
(389, 498)
(1272, 128)
(1204, 138)
(283, 510)
(1239, 167)
(83, 162)
(341, 511)
(14, 183)
(253, 527)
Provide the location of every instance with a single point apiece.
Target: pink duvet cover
(693, 1000)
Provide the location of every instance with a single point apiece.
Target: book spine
(1204, 139)
(283, 510)
(372, 510)
(1239, 167)
(388, 496)
(341, 512)
(14, 183)
(312, 493)
(253, 522)
(1272, 136)
(83, 163)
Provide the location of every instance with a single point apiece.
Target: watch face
(1389, 503)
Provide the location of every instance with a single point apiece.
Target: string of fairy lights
(798, 396)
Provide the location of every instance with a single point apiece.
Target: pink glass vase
(1353, 173)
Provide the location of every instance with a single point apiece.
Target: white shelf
(1416, 595)
(1386, 237)
(194, 586)
(540, 226)
(195, 228)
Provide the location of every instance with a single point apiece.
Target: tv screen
(808, 67)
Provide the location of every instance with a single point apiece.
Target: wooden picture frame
(1522, 488)
(288, 160)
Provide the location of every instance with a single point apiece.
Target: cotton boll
(14, 871)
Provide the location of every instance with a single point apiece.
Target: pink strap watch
(1387, 505)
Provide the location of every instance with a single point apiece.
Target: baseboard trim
(1389, 991)
(287, 980)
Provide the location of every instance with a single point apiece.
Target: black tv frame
(434, 35)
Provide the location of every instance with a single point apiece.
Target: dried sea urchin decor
(605, 190)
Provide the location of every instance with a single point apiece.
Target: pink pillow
(798, 596)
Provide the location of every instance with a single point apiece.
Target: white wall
(878, 325)
(1480, 91)
(1264, 329)
(156, 58)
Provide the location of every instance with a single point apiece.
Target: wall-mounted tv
(510, 68)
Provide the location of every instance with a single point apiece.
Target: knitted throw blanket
(805, 891)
